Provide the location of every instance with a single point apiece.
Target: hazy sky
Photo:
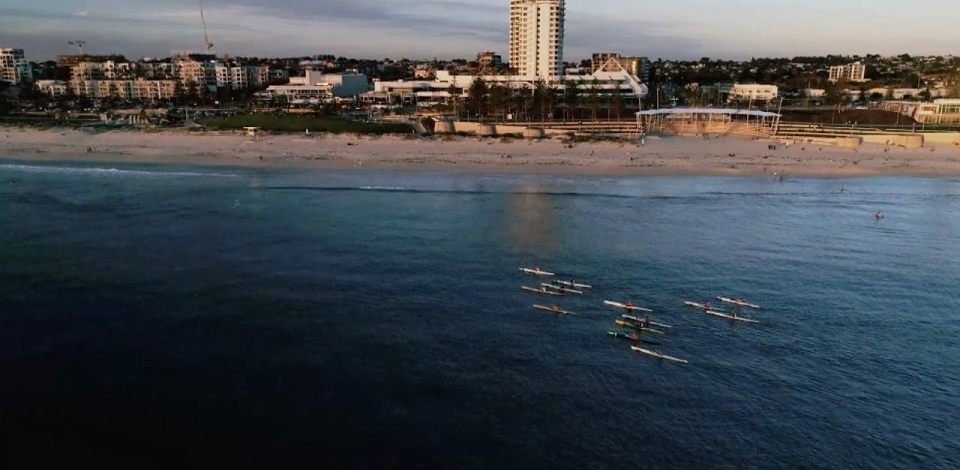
(682, 29)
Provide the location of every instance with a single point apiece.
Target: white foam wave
(383, 188)
(109, 171)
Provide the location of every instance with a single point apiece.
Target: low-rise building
(741, 91)
(941, 111)
(52, 87)
(316, 87)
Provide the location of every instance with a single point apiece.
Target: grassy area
(275, 123)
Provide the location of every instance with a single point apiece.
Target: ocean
(299, 318)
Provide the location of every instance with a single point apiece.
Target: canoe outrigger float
(624, 324)
(575, 285)
(561, 289)
(731, 317)
(739, 302)
(643, 321)
(658, 355)
(536, 272)
(625, 306)
(555, 309)
(541, 290)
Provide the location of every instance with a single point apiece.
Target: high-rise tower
(536, 38)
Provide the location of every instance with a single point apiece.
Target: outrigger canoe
(555, 310)
(658, 355)
(697, 305)
(731, 317)
(644, 321)
(537, 272)
(634, 337)
(541, 290)
(624, 324)
(561, 289)
(737, 302)
(628, 307)
(575, 285)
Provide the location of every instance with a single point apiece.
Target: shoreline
(661, 156)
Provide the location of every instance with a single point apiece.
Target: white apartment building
(14, 66)
(536, 38)
(52, 87)
(854, 72)
(318, 87)
(742, 91)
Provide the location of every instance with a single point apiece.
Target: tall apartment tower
(536, 38)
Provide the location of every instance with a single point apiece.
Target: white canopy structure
(705, 121)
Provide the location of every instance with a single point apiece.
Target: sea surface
(292, 318)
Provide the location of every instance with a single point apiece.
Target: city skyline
(682, 29)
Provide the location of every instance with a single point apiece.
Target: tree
(616, 100)
(499, 96)
(594, 97)
(522, 99)
(5, 105)
(571, 96)
(190, 91)
(477, 97)
(454, 93)
(178, 92)
(28, 90)
(539, 97)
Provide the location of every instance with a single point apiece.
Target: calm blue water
(374, 320)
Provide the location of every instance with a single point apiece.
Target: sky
(446, 29)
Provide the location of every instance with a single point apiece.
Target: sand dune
(667, 155)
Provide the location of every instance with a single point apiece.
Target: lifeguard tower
(251, 134)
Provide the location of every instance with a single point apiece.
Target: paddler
(629, 304)
(707, 305)
(556, 308)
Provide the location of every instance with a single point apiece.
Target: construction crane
(206, 37)
(79, 43)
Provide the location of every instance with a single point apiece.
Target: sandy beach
(734, 156)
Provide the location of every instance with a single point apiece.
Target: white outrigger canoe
(697, 305)
(658, 355)
(624, 324)
(648, 322)
(536, 272)
(575, 285)
(541, 290)
(737, 302)
(628, 307)
(561, 289)
(555, 310)
(731, 317)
